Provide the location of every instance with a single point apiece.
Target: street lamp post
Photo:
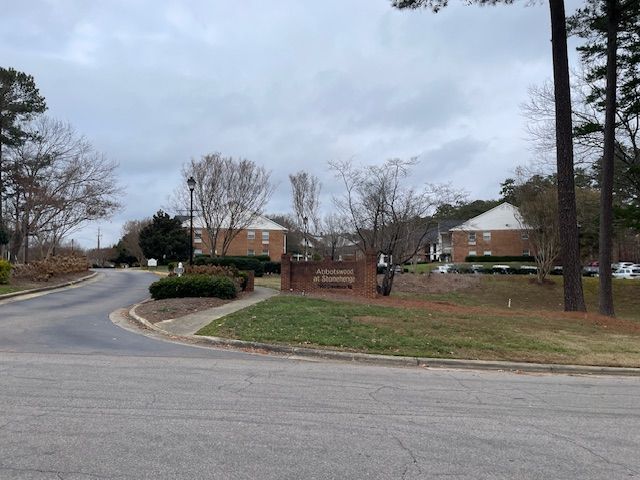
(305, 220)
(191, 184)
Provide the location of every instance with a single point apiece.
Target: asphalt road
(81, 398)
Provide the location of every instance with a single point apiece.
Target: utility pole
(98, 251)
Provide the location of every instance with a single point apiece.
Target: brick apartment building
(261, 237)
(496, 232)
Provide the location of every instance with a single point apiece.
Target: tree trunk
(605, 291)
(387, 281)
(567, 217)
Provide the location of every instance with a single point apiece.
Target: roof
(443, 226)
(258, 223)
(502, 217)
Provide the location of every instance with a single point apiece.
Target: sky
(288, 84)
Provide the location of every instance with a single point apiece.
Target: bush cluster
(5, 272)
(193, 286)
(496, 259)
(43, 270)
(241, 263)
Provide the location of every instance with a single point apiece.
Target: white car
(628, 273)
(620, 265)
(444, 268)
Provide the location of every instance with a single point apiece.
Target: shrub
(497, 259)
(42, 270)
(241, 263)
(271, 267)
(193, 286)
(5, 272)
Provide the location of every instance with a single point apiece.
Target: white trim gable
(502, 217)
(258, 223)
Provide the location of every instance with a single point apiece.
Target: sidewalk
(190, 324)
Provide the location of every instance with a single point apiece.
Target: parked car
(502, 269)
(557, 270)
(627, 273)
(528, 270)
(592, 269)
(620, 265)
(477, 269)
(448, 268)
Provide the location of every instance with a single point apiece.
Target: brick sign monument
(356, 277)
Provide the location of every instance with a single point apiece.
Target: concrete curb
(387, 360)
(47, 288)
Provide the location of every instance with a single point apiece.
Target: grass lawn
(8, 289)
(496, 290)
(269, 281)
(435, 330)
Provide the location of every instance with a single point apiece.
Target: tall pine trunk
(605, 292)
(567, 217)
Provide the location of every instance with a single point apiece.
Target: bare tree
(229, 195)
(131, 237)
(57, 183)
(334, 227)
(389, 217)
(305, 189)
(538, 206)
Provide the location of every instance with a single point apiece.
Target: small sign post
(179, 270)
(152, 262)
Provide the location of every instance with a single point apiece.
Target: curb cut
(47, 288)
(387, 360)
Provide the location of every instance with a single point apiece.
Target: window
(251, 252)
(251, 234)
(486, 236)
(524, 235)
(265, 249)
(472, 253)
(526, 252)
(197, 236)
(487, 253)
(472, 238)
(265, 237)
(197, 251)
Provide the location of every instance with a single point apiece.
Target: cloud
(287, 84)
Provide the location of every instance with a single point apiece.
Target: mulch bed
(24, 284)
(166, 309)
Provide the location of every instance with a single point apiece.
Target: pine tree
(20, 100)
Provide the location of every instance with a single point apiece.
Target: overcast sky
(289, 84)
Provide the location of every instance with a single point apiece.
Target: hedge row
(495, 259)
(193, 286)
(241, 263)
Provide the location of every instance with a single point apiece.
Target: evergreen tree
(20, 100)
(164, 239)
(612, 49)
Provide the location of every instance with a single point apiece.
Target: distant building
(261, 237)
(496, 232)
(438, 241)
